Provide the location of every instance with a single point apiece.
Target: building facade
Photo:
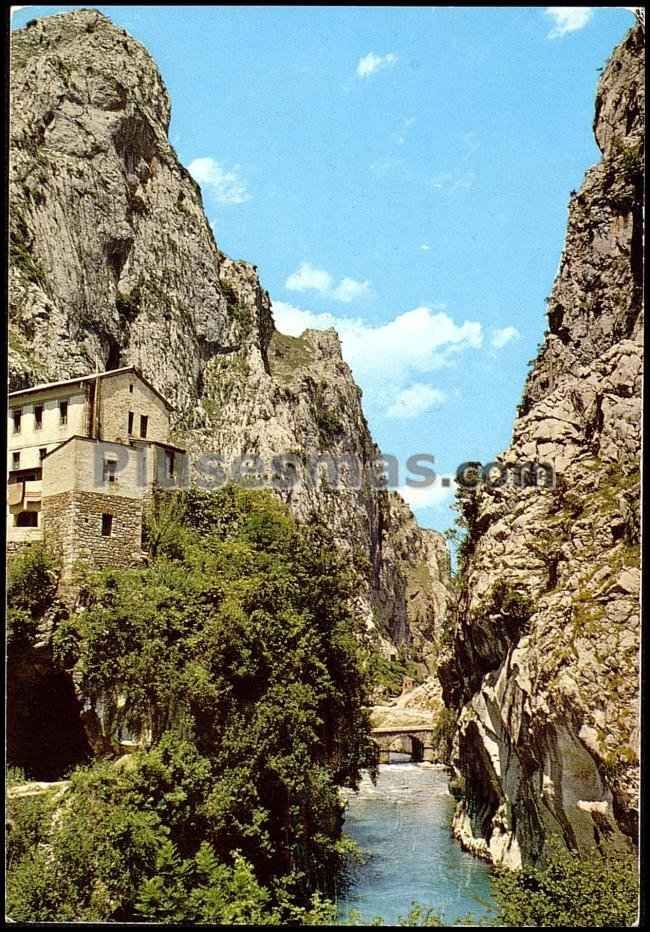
(84, 456)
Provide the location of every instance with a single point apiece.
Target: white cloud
(227, 187)
(294, 320)
(450, 182)
(400, 136)
(384, 167)
(425, 247)
(441, 180)
(432, 496)
(420, 340)
(387, 358)
(568, 19)
(308, 277)
(349, 289)
(504, 335)
(14, 9)
(415, 400)
(470, 144)
(372, 62)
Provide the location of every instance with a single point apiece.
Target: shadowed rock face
(45, 730)
(543, 668)
(113, 262)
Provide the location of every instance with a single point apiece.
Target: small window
(63, 412)
(110, 470)
(131, 418)
(144, 423)
(170, 461)
(26, 519)
(17, 416)
(131, 388)
(42, 453)
(107, 525)
(15, 460)
(38, 417)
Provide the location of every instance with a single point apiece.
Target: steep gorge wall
(543, 661)
(114, 263)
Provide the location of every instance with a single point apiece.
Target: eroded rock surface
(542, 664)
(114, 263)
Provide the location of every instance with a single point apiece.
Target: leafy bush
(22, 258)
(31, 585)
(27, 826)
(163, 525)
(328, 421)
(443, 731)
(570, 890)
(464, 535)
(114, 851)
(386, 674)
(514, 607)
(15, 776)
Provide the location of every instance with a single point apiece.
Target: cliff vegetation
(233, 669)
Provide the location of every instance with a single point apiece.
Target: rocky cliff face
(113, 263)
(542, 664)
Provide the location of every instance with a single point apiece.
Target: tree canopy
(233, 658)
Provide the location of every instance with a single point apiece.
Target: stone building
(85, 455)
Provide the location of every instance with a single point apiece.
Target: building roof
(24, 392)
(134, 444)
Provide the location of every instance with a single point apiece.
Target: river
(403, 825)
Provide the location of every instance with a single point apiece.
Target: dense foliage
(31, 584)
(387, 675)
(44, 734)
(233, 656)
(114, 851)
(570, 891)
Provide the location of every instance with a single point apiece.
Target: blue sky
(400, 173)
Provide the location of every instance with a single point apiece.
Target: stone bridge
(416, 740)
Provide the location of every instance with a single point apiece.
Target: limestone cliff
(114, 263)
(542, 664)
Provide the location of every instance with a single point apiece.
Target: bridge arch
(416, 743)
(407, 744)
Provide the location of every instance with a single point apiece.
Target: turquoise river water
(403, 825)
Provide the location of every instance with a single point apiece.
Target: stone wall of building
(72, 523)
(31, 438)
(56, 518)
(154, 467)
(121, 394)
(14, 547)
(79, 465)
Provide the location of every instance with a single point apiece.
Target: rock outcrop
(114, 263)
(542, 662)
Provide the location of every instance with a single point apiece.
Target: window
(144, 423)
(131, 388)
(131, 417)
(63, 412)
(107, 525)
(15, 460)
(17, 416)
(170, 462)
(110, 470)
(26, 519)
(38, 417)
(42, 453)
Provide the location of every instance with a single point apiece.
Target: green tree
(31, 585)
(233, 656)
(570, 890)
(163, 525)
